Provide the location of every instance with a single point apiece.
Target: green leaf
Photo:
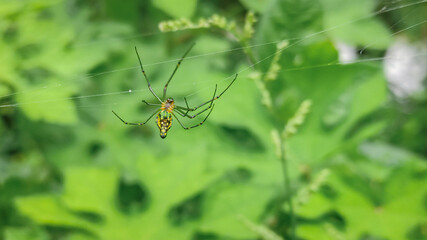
(79, 236)
(7, 72)
(227, 204)
(168, 191)
(48, 210)
(314, 232)
(86, 199)
(94, 191)
(318, 205)
(402, 210)
(25, 234)
(284, 20)
(46, 68)
(54, 105)
(10, 7)
(365, 91)
(123, 12)
(183, 9)
(4, 90)
(386, 154)
(256, 5)
(354, 23)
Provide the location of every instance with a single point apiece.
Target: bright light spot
(346, 53)
(404, 66)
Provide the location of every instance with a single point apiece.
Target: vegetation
(302, 146)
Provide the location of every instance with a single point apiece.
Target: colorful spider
(168, 108)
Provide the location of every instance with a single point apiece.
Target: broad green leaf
(162, 174)
(323, 138)
(52, 35)
(41, 55)
(395, 218)
(241, 109)
(86, 199)
(4, 90)
(256, 5)
(50, 104)
(123, 12)
(25, 234)
(283, 21)
(10, 7)
(94, 191)
(386, 154)
(79, 236)
(7, 72)
(227, 204)
(47, 209)
(318, 205)
(183, 9)
(314, 232)
(401, 211)
(355, 23)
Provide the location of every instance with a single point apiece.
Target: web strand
(298, 40)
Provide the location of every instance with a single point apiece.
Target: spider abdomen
(164, 122)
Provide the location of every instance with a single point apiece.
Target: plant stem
(286, 178)
(248, 51)
(287, 185)
(245, 45)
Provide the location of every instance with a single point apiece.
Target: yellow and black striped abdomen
(164, 122)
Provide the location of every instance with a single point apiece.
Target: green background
(69, 169)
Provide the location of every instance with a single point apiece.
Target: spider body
(164, 118)
(168, 108)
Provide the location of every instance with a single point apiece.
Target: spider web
(190, 88)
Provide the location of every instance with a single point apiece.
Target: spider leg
(188, 107)
(213, 99)
(176, 68)
(180, 112)
(128, 123)
(146, 78)
(193, 116)
(151, 104)
(199, 124)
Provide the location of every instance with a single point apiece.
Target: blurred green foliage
(70, 170)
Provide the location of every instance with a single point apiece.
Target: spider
(168, 108)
